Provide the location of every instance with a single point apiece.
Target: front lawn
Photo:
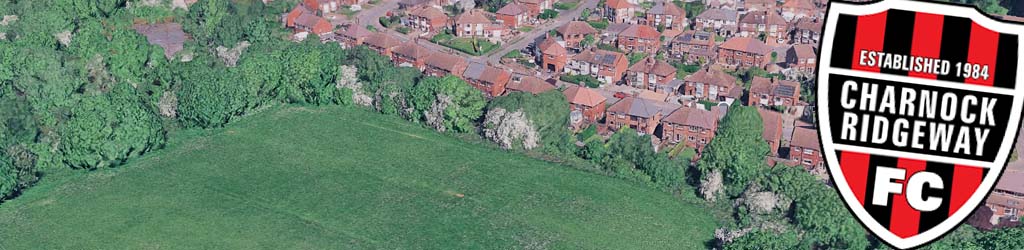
(467, 45)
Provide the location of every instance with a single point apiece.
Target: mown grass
(335, 178)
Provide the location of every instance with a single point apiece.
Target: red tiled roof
(807, 23)
(472, 16)
(576, 28)
(451, 63)
(763, 17)
(714, 77)
(551, 47)
(771, 121)
(746, 44)
(798, 4)
(693, 117)
(619, 4)
(412, 50)
(600, 57)
(663, 8)
(641, 31)
(805, 137)
(427, 12)
(512, 9)
(530, 84)
(653, 66)
(355, 31)
(583, 96)
(804, 51)
(382, 40)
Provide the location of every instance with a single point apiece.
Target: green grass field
(316, 178)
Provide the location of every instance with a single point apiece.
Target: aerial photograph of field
(440, 124)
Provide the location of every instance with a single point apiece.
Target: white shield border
(829, 149)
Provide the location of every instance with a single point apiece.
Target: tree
(587, 41)
(466, 103)
(208, 97)
(548, 112)
(766, 240)
(1007, 238)
(106, 130)
(738, 151)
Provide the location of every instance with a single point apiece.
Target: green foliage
(815, 207)
(1007, 238)
(106, 130)
(964, 237)
(628, 147)
(738, 151)
(683, 70)
(636, 57)
(586, 80)
(564, 5)
(588, 41)
(548, 14)
(549, 113)
(492, 5)
(599, 24)
(467, 102)
(766, 240)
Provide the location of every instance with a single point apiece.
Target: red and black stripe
(898, 216)
(902, 32)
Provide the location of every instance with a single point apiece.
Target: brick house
(639, 38)
(802, 57)
(1007, 199)
(773, 92)
(710, 85)
(590, 104)
(769, 23)
(651, 74)
(804, 148)
(620, 11)
(772, 132)
(744, 52)
(535, 7)
(352, 36)
(806, 31)
(722, 4)
(640, 114)
(381, 43)
(513, 15)
(426, 18)
(574, 32)
(487, 79)
(758, 5)
(665, 15)
(442, 64)
(553, 57)
(693, 46)
(528, 84)
(607, 66)
(721, 21)
(324, 6)
(692, 126)
(303, 19)
(475, 23)
(794, 9)
(410, 54)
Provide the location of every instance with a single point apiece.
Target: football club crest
(919, 105)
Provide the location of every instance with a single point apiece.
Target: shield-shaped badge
(919, 104)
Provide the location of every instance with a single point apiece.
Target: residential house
(620, 11)
(773, 92)
(574, 32)
(640, 114)
(553, 57)
(382, 43)
(352, 36)
(513, 15)
(694, 127)
(442, 64)
(324, 6)
(586, 102)
(804, 148)
(711, 85)
(486, 78)
(302, 19)
(806, 31)
(763, 22)
(665, 15)
(639, 38)
(721, 21)
(535, 7)
(652, 74)
(410, 4)
(794, 9)
(721, 4)
(426, 18)
(475, 23)
(772, 132)
(607, 66)
(758, 5)
(528, 84)
(411, 54)
(445, 2)
(744, 52)
(1007, 199)
(693, 46)
(802, 57)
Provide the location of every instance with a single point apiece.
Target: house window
(693, 138)
(808, 151)
(807, 162)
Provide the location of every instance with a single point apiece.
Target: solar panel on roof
(607, 59)
(785, 90)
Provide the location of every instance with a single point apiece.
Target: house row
(663, 14)
(472, 23)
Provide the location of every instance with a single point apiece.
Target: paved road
(528, 37)
(371, 16)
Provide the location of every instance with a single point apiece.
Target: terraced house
(640, 114)
(426, 18)
(693, 46)
(712, 85)
(574, 32)
(652, 74)
(486, 78)
(694, 127)
(721, 21)
(352, 36)
(587, 102)
(411, 54)
(639, 38)
(744, 52)
(769, 24)
(381, 43)
(773, 92)
(665, 16)
(606, 66)
(806, 31)
(620, 11)
(805, 149)
(441, 64)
